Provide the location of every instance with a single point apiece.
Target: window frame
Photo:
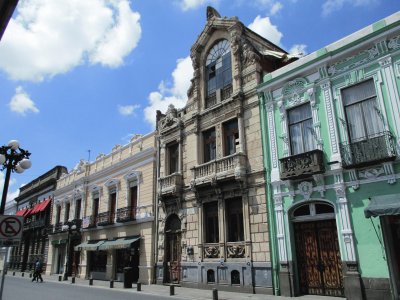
(302, 123)
(230, 132)
(235, 228)
(173, 158)
(211, 222)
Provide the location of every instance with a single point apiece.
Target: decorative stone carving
(305, 188)
(115, 148)
(294, 86)
(250, 55)
(211, 251)
(170, 118)
(235, 251)
(372, 173)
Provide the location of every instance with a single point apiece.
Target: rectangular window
(211, 222)
(66, 215)
(78, 204)
(235, 220)
(173, 158)
(301, 129)
(231, 136)
(58, 214)
(113, 202)
(95, 213)
(362, 114)
(209, 145)
(133, 200)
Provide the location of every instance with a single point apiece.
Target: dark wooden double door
(173, 256)
(318, 258)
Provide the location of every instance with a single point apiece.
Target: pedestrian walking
(37, 274)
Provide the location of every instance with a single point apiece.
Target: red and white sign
(11, 228)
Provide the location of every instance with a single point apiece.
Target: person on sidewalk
(38, 271)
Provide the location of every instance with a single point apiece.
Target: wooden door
(318, 258)
(174, 257)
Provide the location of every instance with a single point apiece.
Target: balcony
(105, 218)
(371, 150)
(219, 95)
(302, 165)
(229, 167)
(126, 214)
(89, 222)
(34, 224)
(171, 184)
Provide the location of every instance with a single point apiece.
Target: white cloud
(193, 4)
(127, 109)
(50, 37)
(298, 49)
(21, 103)
(333, 5)
(276, 7)
(266, 29)
(11, 195)
(176, 95)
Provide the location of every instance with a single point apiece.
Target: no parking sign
(11, 230)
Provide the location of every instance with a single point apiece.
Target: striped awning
(120, 243)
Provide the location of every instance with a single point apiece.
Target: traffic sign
(11, 230)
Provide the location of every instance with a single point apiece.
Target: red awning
(22, 212)
(40, 206)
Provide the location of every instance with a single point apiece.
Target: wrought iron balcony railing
(89, 222)
(232, 166)
(126, 214)
(105, 218)
(170, 184)
(370, 150)
(302, 165)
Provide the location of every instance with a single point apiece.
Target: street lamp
(69, 229)
(13, 159)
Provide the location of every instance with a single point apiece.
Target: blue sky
(87, 75)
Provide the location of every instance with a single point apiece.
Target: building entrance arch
(319, 266)
(173, 249)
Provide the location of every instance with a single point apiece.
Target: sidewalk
(163, 290)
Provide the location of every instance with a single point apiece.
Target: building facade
(331, 125)
(212, 225)
(35, 203)
(104, 215)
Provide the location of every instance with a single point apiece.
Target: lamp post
(69, 228)
(13, 159)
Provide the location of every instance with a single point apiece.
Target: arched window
(235, 277)
(314, 210)
(210, 276)
(219, 72)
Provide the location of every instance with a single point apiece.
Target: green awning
(58, 242)
(89, 246)
(387, 205)
(118, 244)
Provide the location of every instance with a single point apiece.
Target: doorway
(173, 249)
(319, 265)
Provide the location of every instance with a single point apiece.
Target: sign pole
(3, 274)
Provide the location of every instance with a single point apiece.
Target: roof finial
(212, 13)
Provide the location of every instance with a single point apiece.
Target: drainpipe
(270, 204)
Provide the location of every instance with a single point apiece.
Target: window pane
(308, 135)
(235, 220)
(211, 222)
(300, 113)
(295, 139)
(355, 122)
(209, 145)
(323, 209)
(231, 133)
(302, 211)
(358, 92)
(373, 122)
(173, 155)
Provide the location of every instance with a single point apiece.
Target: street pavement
(102, 288)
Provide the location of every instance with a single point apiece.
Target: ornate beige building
(212, 222)
(104, 215)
